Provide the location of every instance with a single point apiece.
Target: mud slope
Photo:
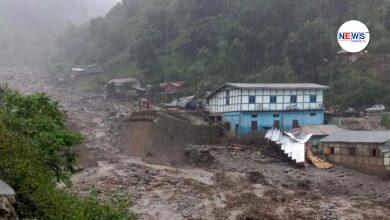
(162, 140)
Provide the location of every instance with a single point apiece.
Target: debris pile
(7, 202)
(318, 162)
(198, 155)
(240, 183)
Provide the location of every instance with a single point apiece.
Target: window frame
(313, 98)
(252, 99)
(227, 97)
(273, 99)
(293, 99)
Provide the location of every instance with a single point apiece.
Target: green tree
(308, 48)
(36, 153)
(274, 74)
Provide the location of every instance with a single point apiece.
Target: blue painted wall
(265, 120)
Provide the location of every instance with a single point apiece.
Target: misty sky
(29, 29)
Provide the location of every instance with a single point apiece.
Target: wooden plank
(318, 162)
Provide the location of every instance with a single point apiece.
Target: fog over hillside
(29, 29)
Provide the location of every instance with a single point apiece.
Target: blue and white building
(248, 107)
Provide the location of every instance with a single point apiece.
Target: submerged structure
(248, 107)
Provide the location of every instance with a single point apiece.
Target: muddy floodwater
(238, 184)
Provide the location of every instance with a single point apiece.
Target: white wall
(239, 100)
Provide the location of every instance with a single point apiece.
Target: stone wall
(7, 209)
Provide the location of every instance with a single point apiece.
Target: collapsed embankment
(161, 138)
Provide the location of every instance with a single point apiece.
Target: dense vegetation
(385, 121)
(210, 42)
(36, 153)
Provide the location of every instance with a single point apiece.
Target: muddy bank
(162, 139)
(238, 184)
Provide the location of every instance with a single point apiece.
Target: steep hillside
(209, 42)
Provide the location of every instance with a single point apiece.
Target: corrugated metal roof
(376, 108)
(316, 130)
(5, 189)
(270, 86)
(359, 137)
(177, 83)
(125, 80)
(277, 86)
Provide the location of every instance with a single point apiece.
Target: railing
(267, 107)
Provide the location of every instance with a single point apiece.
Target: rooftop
(177, 83)
(358, 137)
(125, 80)
(316, 130)
(271, 86)
(6, 190)
(376, 108)
(277, 85)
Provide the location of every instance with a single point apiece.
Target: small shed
(366, 151)
(125, 88)
(376, 109)
(173, 87)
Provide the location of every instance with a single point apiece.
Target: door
(276, 124)
(295, 123)
(254, 125)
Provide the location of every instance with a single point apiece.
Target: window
(293, 99)
(313, 98)
(254, 116)
(352, 151)
(227, 97)
(254, 125)
(313, 114)
(272, 99)
(252, 99)
(276, 115)
(373, 153)
(329, 150)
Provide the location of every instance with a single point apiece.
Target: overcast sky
(29, 29)
(100, 7)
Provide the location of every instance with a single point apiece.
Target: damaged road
(234, 184)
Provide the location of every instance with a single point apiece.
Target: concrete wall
(265, 120)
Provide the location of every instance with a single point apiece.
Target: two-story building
(247, 107)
